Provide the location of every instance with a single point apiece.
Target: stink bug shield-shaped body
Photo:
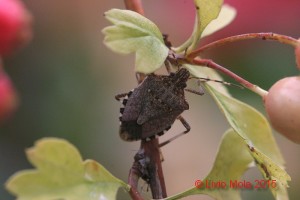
(153, 106)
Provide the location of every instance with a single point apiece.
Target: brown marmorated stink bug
(152, 107)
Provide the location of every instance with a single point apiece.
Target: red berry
(283, 107)
(8, 97)
(15, 26)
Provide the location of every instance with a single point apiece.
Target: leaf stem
(264, 36)
(134, 5)
(182, 194)
(245, 83)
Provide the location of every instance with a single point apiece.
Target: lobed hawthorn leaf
(256, 132)
(133, 33)
(206, 11)
(249, 123)
(253, 128)
(61, 174)
(230, 164)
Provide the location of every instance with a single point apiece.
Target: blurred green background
(67, 79)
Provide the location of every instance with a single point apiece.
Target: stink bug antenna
(217, 81)
(167, 41)
(168, 66)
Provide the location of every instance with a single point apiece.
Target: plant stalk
(151, 170)
(264, 36)
(245, 83)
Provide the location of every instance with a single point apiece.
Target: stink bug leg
(201, 92)
(187, 127)
(123, 96)
(118, 97)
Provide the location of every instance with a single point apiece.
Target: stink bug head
(177, 81)
(180, 78)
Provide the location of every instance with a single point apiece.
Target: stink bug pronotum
(152, 107)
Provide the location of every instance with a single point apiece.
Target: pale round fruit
(297, 54)
(283, 107)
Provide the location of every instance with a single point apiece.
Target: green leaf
(253, 127)
(256, 132)
(61, 174)
(206, 11)
(229, 166)
(131, 32)
(273, 172)
(244, 119)
(226, 16)
(249, 123)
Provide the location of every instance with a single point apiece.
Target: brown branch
(154, 168)
(264, 36)
(213, 65)
(147, 164)
(134, 5)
